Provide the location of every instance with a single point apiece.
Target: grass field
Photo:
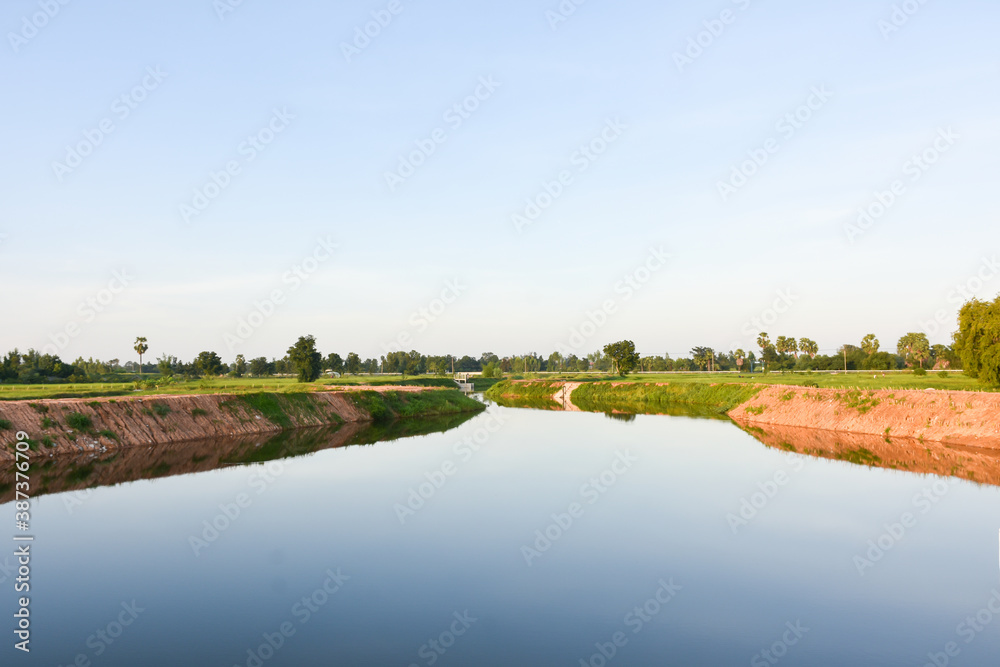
(954, 381)
(152, 385)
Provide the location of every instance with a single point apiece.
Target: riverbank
(72, 426)
(951, 417)
(966, 418)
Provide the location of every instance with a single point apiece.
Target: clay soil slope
(953, 417)
(111, 423)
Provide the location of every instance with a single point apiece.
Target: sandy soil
(564, 396)
(954, 417)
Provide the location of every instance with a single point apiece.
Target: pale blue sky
(656, 185)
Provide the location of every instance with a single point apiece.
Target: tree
(870, 344)
(306, 360)
(208, 364)
(334, 363)
(785, 345)
(353, 363)
(703, 356)
(809, 346)
(165, 365)
(141, 348)
(766, 349)
(239, 366)
(977, 340)
(623, 355)
(740, 357)
(914, 347)
(260, 367)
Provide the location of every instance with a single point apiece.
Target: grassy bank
(643, 398)
(631, 398)
(390, 405)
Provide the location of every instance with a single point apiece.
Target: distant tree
(488, 358)
(353, 363)
(740, 358)
(370, 366)
(141, 348)
(914, 347)
(334, 363)
(260, 367)
(239, 367)
(977, 340)
(766, 349)
(305, 359)
(554, 362)
(870, 344)
(809, 346)
(786, 345)
(208, 364)
(165, 364)
(703, 357)
(623, 355)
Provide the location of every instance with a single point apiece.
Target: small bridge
(464, 382)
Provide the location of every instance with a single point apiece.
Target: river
(519, 537)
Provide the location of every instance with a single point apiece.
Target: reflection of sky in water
(665, 518)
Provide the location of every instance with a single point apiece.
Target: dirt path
(563, 396)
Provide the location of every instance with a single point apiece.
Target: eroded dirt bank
(74, 426)
(953, 417)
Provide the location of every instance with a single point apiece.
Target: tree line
(975, 348)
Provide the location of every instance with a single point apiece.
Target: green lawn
(154, 385)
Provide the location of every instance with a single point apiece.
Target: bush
(943, 374)
(5, 424)
(919, 371)
(79, 422)
(161, 409)
(199, 412)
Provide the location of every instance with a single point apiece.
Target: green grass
(79, 422)
(161, 409)
(199, 412)
(48, 423)
(391, 405)
(5, 424)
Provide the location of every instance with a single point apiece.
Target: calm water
(646, 560)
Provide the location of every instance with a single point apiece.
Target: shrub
(48, 423)
(943, 374)
(161, 409)
(919, 371)
(199, 412)
(79, 422)
(5, 424)
(38, 407)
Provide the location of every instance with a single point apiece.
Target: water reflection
(71, 473)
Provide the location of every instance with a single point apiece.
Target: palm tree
(141, 347)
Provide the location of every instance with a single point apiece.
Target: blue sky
(778, 249)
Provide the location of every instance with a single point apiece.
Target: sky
(514, 177)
